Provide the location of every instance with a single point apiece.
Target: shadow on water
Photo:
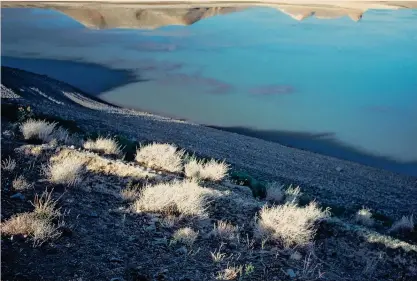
(89, 77)
(326, 144)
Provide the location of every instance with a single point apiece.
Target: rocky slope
(103, 233)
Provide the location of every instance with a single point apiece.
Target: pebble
(291, 273)
(339, 169)
(182, 251)
(117, 279)
(93, 214)
(115, 259)
(18, 196)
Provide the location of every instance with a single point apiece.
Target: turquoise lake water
(338, 87)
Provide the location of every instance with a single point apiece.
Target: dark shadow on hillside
(89, 77)
(326, 144)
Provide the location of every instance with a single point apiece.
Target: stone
(182, 251)
(93, 214)
(116, 259)
(291, 273)
(18, 196)
(339, 169)
(117, 279)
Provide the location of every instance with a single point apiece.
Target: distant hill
(145, 16)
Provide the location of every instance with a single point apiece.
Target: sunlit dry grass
(225, 230)
(185, 236)
(20, 183)
(37, 224)
(160, 156)
(43, 130)
(104, 145)
(67, 171)
(212, 170)
(288, 224)
(230, 273)
(292, 194)
(364, 217)
(8, 164)
(185, 197)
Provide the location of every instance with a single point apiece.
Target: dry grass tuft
(185, 236)
(37, 224)
(292, 194)
(230, 273)
(405, 224)
(211, 170)
(101, 165)
(364, 217)
(161, 156)
(169, 221)
(8, 165)
(288, 224)
(43, 130)
(20, 183)
(67, 171)
(274, 192)
(186, 198)
(225, 230)
(130, 194)
(104, 145)
(45, 207)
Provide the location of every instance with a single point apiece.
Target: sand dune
(151, 14)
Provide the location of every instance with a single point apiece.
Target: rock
(131, 238)
(182, 251)
(117, 279)
(18, 196)
(339, 169)
(291, 273)
(116, 259)
(93, 214)
(72, 147)
(152, 227)
(296, 256)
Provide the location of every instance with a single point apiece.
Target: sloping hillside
(79, 204)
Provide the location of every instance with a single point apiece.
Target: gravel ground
(331, 181)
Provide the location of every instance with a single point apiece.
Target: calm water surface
(339, 87)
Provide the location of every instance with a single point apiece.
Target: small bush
(185, 235)
(67, 171)
(43, 131)
(20, 183)
(103, 145)
(364, 217)
(405, 224)
(288, 224)
(130, 194)
(292, 194)
(45, 207)
(8, 165)
(161, 156)
(38, 224)
(230, 273)
(225, 230)
(186, 198)
(211, 170)
(274, 192)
